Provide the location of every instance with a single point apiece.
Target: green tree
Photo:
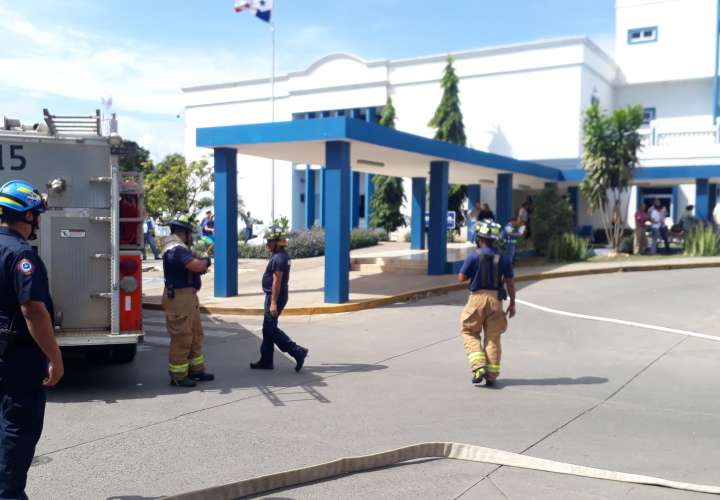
(610, 155)
(135, 158)
(389, 194)
(449, 127)
(554, 217)
(177, 186)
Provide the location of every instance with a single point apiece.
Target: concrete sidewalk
(371, 287)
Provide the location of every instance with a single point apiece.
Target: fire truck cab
(91, 237)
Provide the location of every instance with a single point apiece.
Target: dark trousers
(272, 334)
(21, 423)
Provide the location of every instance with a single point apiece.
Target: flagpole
(272, 104)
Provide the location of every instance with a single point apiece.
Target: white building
(524, 100)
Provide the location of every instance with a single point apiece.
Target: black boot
(186, 382)
(300, 358)
(478, 375)
(261, 365)
(202, 377)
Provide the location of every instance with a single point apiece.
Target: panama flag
(261, 8)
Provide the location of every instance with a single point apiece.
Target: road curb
(362, 305)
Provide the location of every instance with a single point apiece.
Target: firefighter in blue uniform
(489, 274)
(275, 285)
(30, 358)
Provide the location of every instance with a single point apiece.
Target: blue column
(309, 197)
(702, 199)
(417, 219)
(369, 192)
(323, 114)
(574, 196)
(639, 197)
(226, 235)
(712, 197)
(337, 228)
(504, 198)
(371, 115)
(675, 210)
(322, 197)
(473, 194)
(355, 199)
(437, 236)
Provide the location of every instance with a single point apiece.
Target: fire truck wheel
(123, 353)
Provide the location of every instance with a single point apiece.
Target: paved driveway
(573, 390)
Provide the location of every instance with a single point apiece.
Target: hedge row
(311, 243)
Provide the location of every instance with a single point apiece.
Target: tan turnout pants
(182, 316)
(483, 313)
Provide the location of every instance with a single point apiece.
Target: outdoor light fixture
(371, 163)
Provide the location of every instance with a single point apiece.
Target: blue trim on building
(369, 193)
(652, 173)
(417, 217)
(309, 197)
(337, 227)
(437, 234)
(702, 199)
(344, 128)
(355, 199)
(503, 200)
(226, 214)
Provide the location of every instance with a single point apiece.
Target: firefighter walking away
(490, 277)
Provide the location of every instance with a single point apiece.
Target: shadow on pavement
(229, 349)
(509, 382)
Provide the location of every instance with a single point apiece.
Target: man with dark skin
(275, 285)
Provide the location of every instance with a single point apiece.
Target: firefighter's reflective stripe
(200, 360)
(476, 356)
(178, 368)
(493, 368)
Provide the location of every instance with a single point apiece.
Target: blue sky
(67, 55)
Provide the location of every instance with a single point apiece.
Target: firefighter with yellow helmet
(182, 270)
(490, 276)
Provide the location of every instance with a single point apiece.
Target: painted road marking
(620, 322)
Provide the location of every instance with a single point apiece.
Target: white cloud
(51, 63)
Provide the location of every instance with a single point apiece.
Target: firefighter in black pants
(27, 340)
(275, 285)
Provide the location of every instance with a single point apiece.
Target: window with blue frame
(648, 116)
(643, 35)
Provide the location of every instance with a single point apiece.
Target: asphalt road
(578, 391)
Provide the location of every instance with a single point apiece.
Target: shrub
(309, 243)
(567, 247)
(361, 238)
(702, 241)
(200, 246)
(382, 234)
(552, 216)
(626, 244)
(252, 252)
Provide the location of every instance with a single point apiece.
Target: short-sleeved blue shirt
(176, 274)
(23, 279)
(471, 268)
(278, 263)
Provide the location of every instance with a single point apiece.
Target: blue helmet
(21, 196)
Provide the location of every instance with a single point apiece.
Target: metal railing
(653, 136)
